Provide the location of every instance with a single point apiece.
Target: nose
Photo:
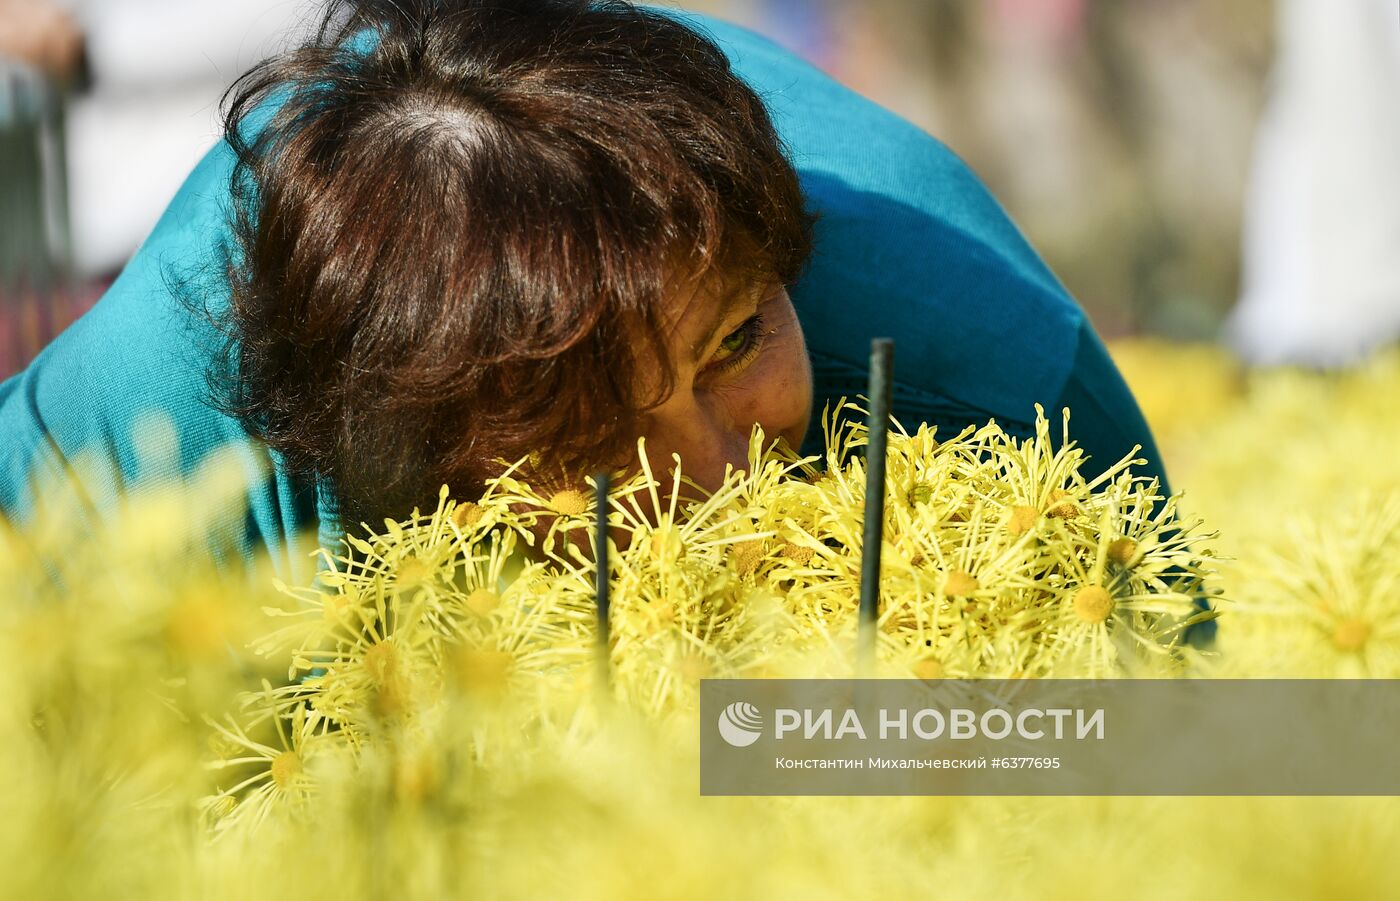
(705, 437)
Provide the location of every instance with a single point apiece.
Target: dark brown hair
(454, 239)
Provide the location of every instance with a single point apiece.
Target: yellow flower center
(569, 502)
(416, 777)
(797, 553)
(1121, 550)
(1351, 634)
(484, 669)
(928, 668)
(693, 667)
(1093, 604)
(1061, 505)
(467, 514)
(482, 601)
(666, 542)
(285, 767)
(382, 662)
(198, 627)
(747, 555)
(412, 571)
(663, 613)
(960, 583)
(1022, 520)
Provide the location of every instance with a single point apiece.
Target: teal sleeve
(909, 244)
(123, 391)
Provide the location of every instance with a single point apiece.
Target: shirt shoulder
(909, 243)
(121, 398)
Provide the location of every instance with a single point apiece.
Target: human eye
(739, 346)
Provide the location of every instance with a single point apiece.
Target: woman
(460, 231)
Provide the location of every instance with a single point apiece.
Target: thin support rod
(881, 396)
(602, 483)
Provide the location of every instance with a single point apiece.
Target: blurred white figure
(1321, 279)
(158, 69)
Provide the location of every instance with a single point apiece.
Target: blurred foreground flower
(422, 719)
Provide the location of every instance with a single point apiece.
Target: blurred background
(1192, 169)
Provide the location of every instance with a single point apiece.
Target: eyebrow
(727, 305)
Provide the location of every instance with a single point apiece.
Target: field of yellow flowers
(426, 717)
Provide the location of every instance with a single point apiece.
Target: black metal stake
(601, 484)
(881, 395)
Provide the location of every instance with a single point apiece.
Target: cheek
(778, 389)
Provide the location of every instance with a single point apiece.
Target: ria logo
(740, 724)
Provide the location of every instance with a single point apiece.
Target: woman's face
(740, 359)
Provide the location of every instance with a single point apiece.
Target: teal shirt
(909, 244)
